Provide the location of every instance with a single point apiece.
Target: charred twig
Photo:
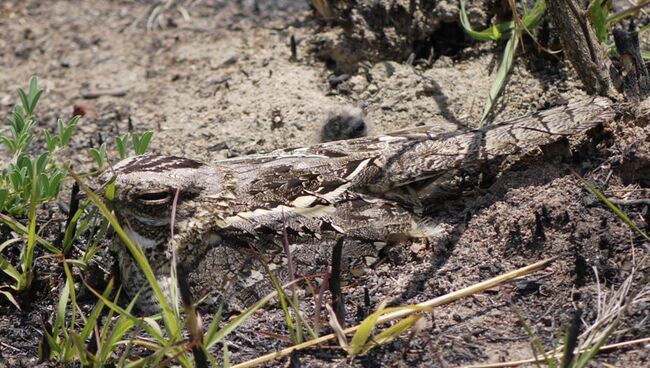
(636, 80)
(294, 48)
(117, 92)
(572, 340)
(338, 301)
(581, 46)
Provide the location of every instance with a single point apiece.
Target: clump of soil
(218, 79)
(392, 30)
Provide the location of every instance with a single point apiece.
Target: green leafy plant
(141, 142)
(27, 181)
(602, 20)
(140, 146)
(99, 154)
(122, 143)
(17, 175)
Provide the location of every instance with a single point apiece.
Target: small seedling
(141, 142)
(16, 177)
(27, 181)
(99, 154)
(140, 146)
(122, 143)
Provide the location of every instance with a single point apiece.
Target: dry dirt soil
(217, 79)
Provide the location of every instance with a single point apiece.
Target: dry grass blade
(323, 8)
(444, 299)
(338, 330)
(517, 363)
(617, 17)
(610, 309)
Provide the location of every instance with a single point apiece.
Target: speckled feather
(369, 191)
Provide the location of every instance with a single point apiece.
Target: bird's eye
(156, 197)
(360, 127)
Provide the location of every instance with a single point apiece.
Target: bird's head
(149, 189)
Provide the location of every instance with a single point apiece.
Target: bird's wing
(375, 165)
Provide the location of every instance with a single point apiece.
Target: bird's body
(232, 216)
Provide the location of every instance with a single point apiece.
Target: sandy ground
(217, 79)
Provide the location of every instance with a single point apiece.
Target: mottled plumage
(369, 191)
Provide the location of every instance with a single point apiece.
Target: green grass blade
(631, 11)
(599, 16)
(214, 325)
(60, 309)
(613, 207)
(171, 323)
(10, 298)
(127, 313)
(8, 243)
(7, 267)
(586, 357)
(210, 341)
(78, 344)
(361, 336)
(109, 317)
(534, 17)
(391, 333)
(502, 75)
(284, 305)
(27, 262)
(549, 359)
(226, 355)
(494, 33)
(70, 231)
(21, 229)
(73, 294)
(300, 321)
(93, 317)
(122, 326)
